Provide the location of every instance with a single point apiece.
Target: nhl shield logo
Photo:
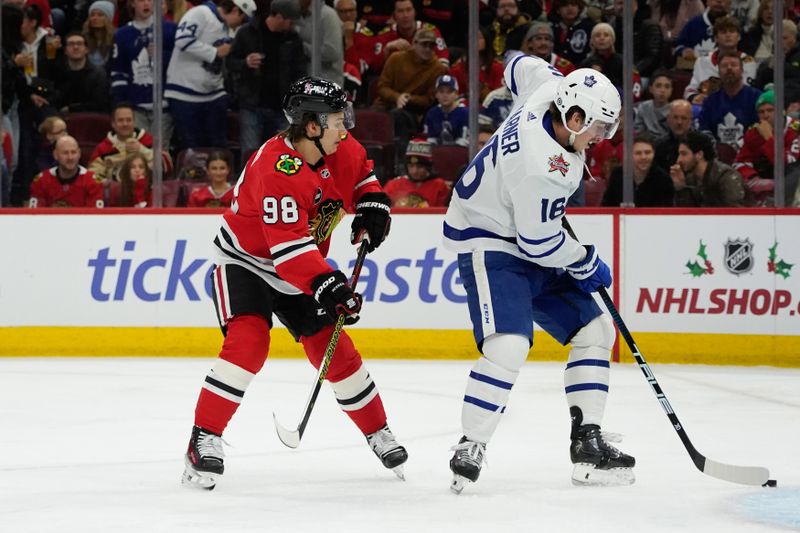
(739, 256)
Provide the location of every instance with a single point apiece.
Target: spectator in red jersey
(490, 75)
(219, 192)
(399, 36)
(756, 158)
(68, 184)
(419, 188)
(136, 180)
(271, 260)
(123, 140)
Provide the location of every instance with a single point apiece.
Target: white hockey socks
(586, 377)
(490, 383)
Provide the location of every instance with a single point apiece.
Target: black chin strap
(317, 142)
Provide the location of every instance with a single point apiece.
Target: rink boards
(719, 287)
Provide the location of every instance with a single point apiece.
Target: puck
(770, 483)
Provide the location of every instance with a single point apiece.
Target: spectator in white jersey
(519, 266)
(195, 84)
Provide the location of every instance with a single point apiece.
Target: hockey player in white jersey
(519, 266)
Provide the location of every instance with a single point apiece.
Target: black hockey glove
(372, 219)
(336, 296)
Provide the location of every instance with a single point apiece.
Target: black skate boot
(597, 462)
(204, 460)
(466, 463)
(391, 454)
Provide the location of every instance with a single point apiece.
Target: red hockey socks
(243, 354)
(352, 385)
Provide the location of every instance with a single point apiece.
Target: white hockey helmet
(597, 97)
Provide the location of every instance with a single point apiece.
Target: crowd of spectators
(702, 75)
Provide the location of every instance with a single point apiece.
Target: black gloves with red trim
(336, 296)
(372, 219)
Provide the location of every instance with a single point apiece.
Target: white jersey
(195, 73)
(513, 195)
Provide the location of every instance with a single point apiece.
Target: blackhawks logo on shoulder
(558, 163)
(288, 164)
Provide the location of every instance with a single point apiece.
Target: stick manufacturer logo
(739, 256)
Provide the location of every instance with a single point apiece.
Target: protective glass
(602, 129)
(348, 121)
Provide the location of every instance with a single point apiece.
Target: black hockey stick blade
(744, 475)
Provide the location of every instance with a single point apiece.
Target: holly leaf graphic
(772, 252)
(695, 269)
(702, 251)
(782, 268)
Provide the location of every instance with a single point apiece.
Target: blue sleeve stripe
(545, 254)
(585, 387)
(588, 362)
(483, 404)
(513, 78)
(491, 381)
(473, 233)
(539, 241)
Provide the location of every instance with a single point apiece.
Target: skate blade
(585, 474)
(458, 483)
(399, 471)
(198, 480)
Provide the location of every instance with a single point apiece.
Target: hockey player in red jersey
(270, 259)
(68, 184)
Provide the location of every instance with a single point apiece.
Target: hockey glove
(336, 296)
(590, 273)
(372, 219)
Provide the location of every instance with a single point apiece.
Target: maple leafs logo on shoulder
(776, 265)
(695, 268)
(557, 162)
(288, 165)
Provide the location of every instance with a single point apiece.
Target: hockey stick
(289, 437)
(746, 475)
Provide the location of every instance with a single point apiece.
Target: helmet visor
(331, 120)
(603, 129)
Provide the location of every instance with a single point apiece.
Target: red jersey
(48, 190)
(489, 79)
(389, 34)
(207, 197)
(285, 209)
(563, 65)
(756, 158)
(404, 192)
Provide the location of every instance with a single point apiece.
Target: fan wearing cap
(756, 157)
(195, 85)
(419, 188)
(448, 121)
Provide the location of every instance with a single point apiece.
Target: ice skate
(597, 462)
(466, 463)
(391, 454)
(204, 460)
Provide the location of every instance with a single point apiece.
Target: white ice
(96, 445)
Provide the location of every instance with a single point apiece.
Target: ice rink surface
(96, 445)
